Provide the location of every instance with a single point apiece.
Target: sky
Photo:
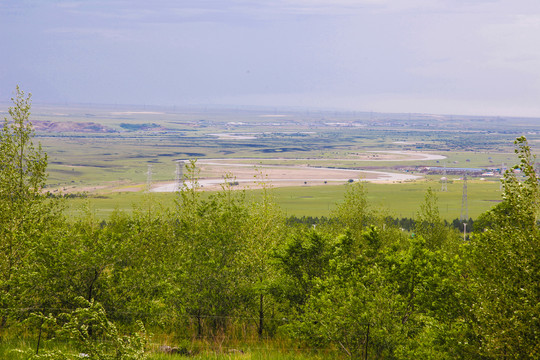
(471, 57)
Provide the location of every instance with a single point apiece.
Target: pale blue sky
(431, 56)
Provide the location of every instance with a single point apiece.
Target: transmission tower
(444, 180)
(179, 174)
(464, 206)
(149, 178)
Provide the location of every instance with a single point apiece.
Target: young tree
(25, 212)
(23, 164)
(378, 296)
(354, 212)
(301, 260)
(349, 303)
(266, 230)
(431, 227)
(209, 237)
(505, 267)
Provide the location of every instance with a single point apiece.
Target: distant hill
(71, 126)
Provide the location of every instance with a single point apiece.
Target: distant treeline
(404, 223)
(74, 195)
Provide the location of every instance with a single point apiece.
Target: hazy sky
(430, 56)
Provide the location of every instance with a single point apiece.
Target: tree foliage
(25, 213)
(94, 336)
(505, 267)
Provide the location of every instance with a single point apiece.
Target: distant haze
(477, 57)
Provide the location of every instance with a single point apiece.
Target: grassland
(106, 152)
(398, 200)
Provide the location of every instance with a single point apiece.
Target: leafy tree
(25, 213)
(433, 308)
(505, 268)
(266, 230)
(23, 164)
(351, 305)
(301, 260)
(379, 296)
(75, 261)
(354, 212)
(119, 263)
(430, 226)
(209, 238)
(138, 282)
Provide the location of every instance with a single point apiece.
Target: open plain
(108, 152)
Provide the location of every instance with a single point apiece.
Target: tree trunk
(91, 286)
(367, 343)
(261, 315)
(199, 325)
(39, 336)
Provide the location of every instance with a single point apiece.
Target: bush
(93, 336)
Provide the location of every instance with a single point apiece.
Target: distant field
(399, 200)
(97, 147)
(107, 151)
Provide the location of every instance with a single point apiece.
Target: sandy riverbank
(253, 175)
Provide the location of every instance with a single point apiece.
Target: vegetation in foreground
(225, 275)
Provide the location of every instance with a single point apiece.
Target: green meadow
(398, 200)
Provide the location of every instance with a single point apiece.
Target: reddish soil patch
(71, 126)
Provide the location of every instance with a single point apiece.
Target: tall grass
(277, 349)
